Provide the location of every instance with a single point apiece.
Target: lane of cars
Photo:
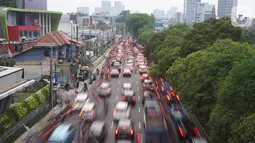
(127, 106)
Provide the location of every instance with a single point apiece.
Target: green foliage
(19, 110)
(237, 97)
(11, 3)
(244, 131)
(122, 16)
(5, 61)
(204, 34)
(138, 20)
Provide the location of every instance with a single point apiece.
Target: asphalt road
(136, 111)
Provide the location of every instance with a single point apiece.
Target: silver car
(80, 100)
(121, 111)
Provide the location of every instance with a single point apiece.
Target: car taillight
(133, 98)
(177, 97)
(131, 132)
(144, 84)
(124, 98)
(92, 112)
(80, 114)
(181, 131)
(108, 90)
(173, 93)
(116, 132)
(196, 132)
(152, 84)
(168, 97)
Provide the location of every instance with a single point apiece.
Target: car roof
(81, 96)
(122, 105)
(148, 81)
(97, 125)
(125, 70)
(124, 141)
(127, 85)
(124, 122)
(145, 74)
(60, 133)
(88, 106)
(128, 93)
(104, 84)
(146, 93)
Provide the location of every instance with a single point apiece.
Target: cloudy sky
(146, 6)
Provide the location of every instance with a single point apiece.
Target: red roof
(56, 38)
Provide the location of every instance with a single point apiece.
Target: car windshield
(96, 132)
(87, 112)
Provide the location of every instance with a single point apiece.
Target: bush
(19, 110)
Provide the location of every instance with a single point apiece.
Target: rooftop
(8, 70)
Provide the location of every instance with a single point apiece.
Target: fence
(10, 132)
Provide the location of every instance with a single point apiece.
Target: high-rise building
(98, 10)
(106, 6)
(119, 7)
(204, 11)
(84, 10)
(178, 17)
(189, 10)
(225, 7)
(171, 13)
(159, 14)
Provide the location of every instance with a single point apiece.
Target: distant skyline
(144, 6)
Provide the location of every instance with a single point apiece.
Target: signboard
(36, 22)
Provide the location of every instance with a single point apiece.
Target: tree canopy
(210, 67)
(122, 16)
(138, 20)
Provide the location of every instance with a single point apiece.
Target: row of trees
(211, 68)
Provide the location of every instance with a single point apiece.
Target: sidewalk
(63, 94)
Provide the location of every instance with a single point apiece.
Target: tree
(235, 101)
(204, 34)
(138, 20)
(122, 16)
(102, 25)
(5, 61)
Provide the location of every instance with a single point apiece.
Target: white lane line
(138, 97)
(116, 97)
(118, 82)
(138, 88)
(139, 125)
(118, 89)
(139, 109)
(136, 82)
(112, 125)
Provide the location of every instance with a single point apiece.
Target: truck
(156, 130)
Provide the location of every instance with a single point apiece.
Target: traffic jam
(123, 105)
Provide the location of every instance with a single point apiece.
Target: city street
(136, 111)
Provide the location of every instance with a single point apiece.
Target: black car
(98, 131)
(147, 96)
(148, 85)
(129, 96)
(124, 130)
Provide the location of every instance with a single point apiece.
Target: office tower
(106, 6)
(119, 7)
(225, 7)
(204, 11)
(189, 10)
(171, 12)
(84, 10)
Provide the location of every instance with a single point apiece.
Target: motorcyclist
(97, 71)
(85, 86)
(102, 73)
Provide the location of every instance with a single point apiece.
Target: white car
(80, 100)
(121, 111)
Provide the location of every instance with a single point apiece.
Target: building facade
(178, 17)
(190, 10)
(25, 4)
(97, 10)
(204, 11)
(84, 10)
(225, 7)
(106, 6)
(119, 7)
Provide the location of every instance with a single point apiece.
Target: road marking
(138, 97)
(118, 89)
(112, 125)
(116, 97)
(139, 125)
(139, 109)
(136, 82)
(138, 88)
(118, 82)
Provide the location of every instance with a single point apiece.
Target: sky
(144, 6)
